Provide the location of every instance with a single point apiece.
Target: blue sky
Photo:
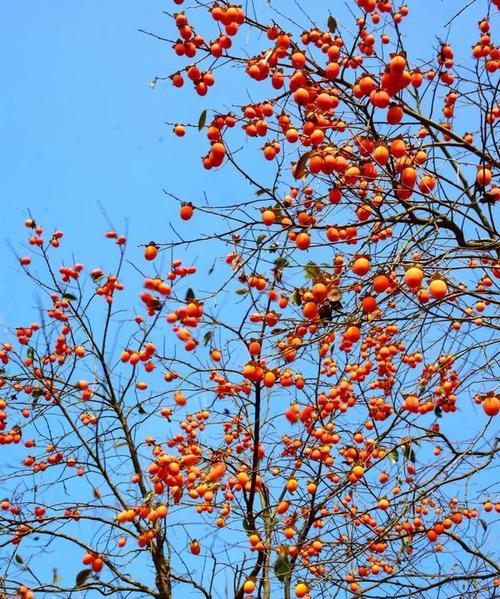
(80, 127)
(83, 134)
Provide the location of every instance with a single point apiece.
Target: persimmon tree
(313, 415)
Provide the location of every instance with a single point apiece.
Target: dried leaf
(332, 24)
(268, 55)
(326, 310)
(334, 294)
(82, 576)
(296, 298)
(300, 167)
(278, 331)
(97, 277)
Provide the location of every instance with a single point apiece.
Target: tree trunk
(162, 579)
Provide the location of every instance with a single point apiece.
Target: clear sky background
(80, 127)
(82, 135)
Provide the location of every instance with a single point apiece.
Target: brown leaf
(82, 576)
(300, 167)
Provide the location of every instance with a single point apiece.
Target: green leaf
(82, 576)
(332, 24)
(19, 559)
(296, 298)
(405, 541)
(120, 444)
(281, 262)
(282, 567)
(243, 291)
(141, 410)
(189, 295)
(246, 525)
(202, 120)
(312, 270)
(207, 337)
(393, 455)
(36, 394)
(260, 239)
(30, 353)
(409, 453)
(69, 296)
